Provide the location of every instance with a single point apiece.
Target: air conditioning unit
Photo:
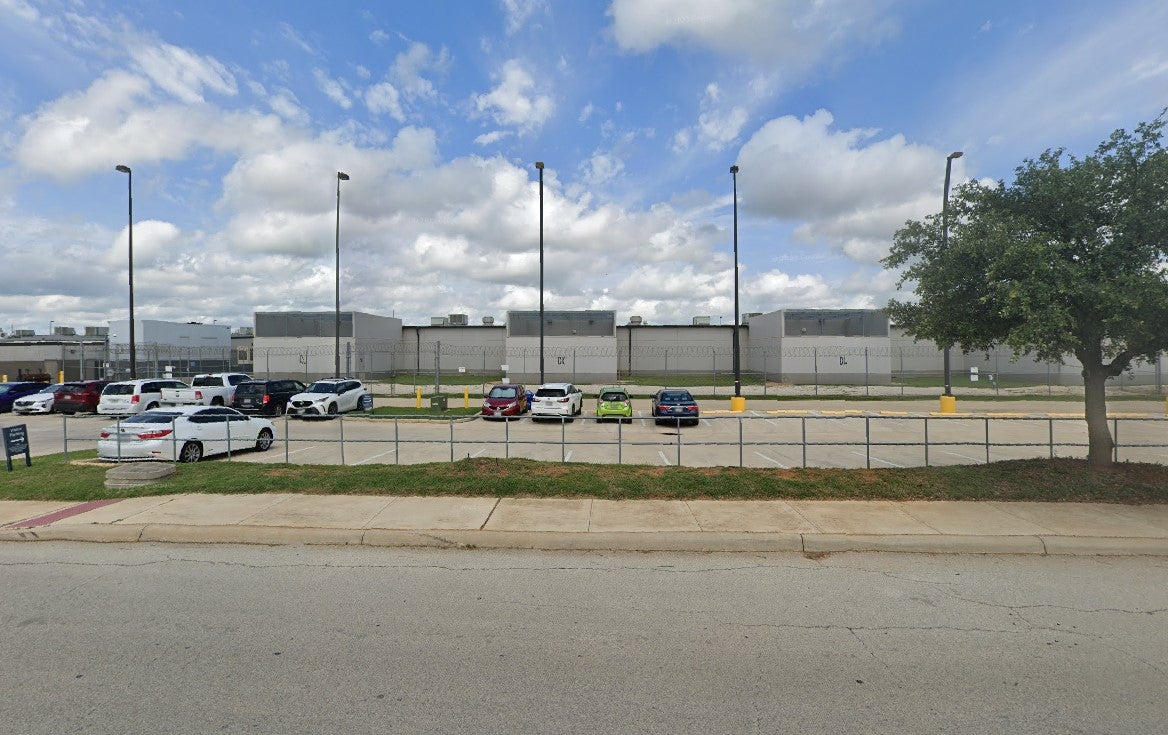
(458, 320)
(23, 332)
(701, 321)
(488, 321)
(437, 321)
(64, 331)
(97, 331)
(634, 320)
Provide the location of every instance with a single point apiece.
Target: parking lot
(841, 435)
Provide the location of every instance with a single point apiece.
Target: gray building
(303, 344)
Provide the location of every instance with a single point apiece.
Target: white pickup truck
(210, 389)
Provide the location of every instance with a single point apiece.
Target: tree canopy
(1069, 259)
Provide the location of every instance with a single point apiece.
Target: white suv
(557, 399)
(134, 396)
(327, 397)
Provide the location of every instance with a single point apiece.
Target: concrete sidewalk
(641, 525)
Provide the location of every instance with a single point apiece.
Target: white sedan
(184, 434)
(38, 402)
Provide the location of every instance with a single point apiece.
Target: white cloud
(518, 12)
(512, 102)
(850, 189)
(379, 37)
(409, 69)
(384, 99)
(332, 88)
(794, 33)
(492, 137)
(182, 73)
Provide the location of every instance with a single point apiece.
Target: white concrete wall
(566, 359)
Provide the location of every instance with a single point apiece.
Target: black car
(265, 397)
(674, 405)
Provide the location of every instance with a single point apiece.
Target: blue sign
(366, 403)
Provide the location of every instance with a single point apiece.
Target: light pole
(130, 203)
(737, 364)
(341, 176)
(51, 323)
(945, 245)
(539, 165)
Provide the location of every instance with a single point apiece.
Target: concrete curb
(705, 542)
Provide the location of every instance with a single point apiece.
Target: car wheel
(152, 405)
(216, 401)
(67, 413)
(190, 452)
(264, 441)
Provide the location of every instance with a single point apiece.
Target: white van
(127, 397)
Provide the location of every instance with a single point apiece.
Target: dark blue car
(11, 392)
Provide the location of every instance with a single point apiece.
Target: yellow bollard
(3, 378)
(419, 403)
(466, 397)
(948, 404)
(60, 376)
(737, 404)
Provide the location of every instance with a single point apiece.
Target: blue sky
(235, 118)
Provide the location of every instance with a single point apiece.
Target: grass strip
(1042, 480)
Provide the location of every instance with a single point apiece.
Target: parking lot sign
(15, 443)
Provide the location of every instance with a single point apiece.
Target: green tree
(1070, 259)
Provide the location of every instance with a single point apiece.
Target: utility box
(437, 403)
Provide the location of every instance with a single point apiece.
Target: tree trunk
(1100, 444)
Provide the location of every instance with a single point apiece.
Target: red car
(79, 396)
(505, 399)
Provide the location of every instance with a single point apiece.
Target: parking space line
(568, 456)
(664, 459)
(370, 459)
(877, 459)
(772, 459)
(706, 422)
(963, 456)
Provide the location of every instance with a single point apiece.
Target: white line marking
(370, 459)
(568, 456)
(877, 459)
(478, 452)
(706, 422)
(955, 454)
(664, 459)
(772, 459)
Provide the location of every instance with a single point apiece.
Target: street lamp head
(955, 154)
(123, 169)
(734, 169)
(539, 165)
(342, 176)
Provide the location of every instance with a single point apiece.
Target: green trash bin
(437, 403)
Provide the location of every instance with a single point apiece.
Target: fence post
(619, 438)
(1050, 432)
(803, 421)
(396, 443)
(926, 432)
(229, 440)
(815, 364)
(987, 438)
(865, 371)
(764, 372)
(563, 439)
(286, 461)
(714, 368)
(679, 442)
(65, 435)
(341, 418)
(1115, 445)
(451, 440)
(506, 438)
(868, 442)
(740, 441)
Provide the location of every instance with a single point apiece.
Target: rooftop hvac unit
(23, 333)
(96, 331)
(458, 320)
(65, 331)
(701, 321)
(635, 320)
(488, 321)
(437, 321)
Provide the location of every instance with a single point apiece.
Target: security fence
(874, 370)
(848, 440)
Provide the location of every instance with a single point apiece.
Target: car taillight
(563, 400)
(267, 398)
(135, 399)
(198, 395)
(157, 434)
(105, 435)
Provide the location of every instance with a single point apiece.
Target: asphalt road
(886, 434)
(180, 639)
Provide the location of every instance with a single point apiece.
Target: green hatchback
(616, 402)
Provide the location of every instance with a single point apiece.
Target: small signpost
(366, 402)
(16, 443)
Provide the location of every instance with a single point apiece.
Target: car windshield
(677, 396)
(613, 396)
(551, 393)
(251, 389)
(503, 392)
(324, 388)
(119, 389)
(73, 386)
(206, 381)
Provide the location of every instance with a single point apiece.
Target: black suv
(265, 397)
